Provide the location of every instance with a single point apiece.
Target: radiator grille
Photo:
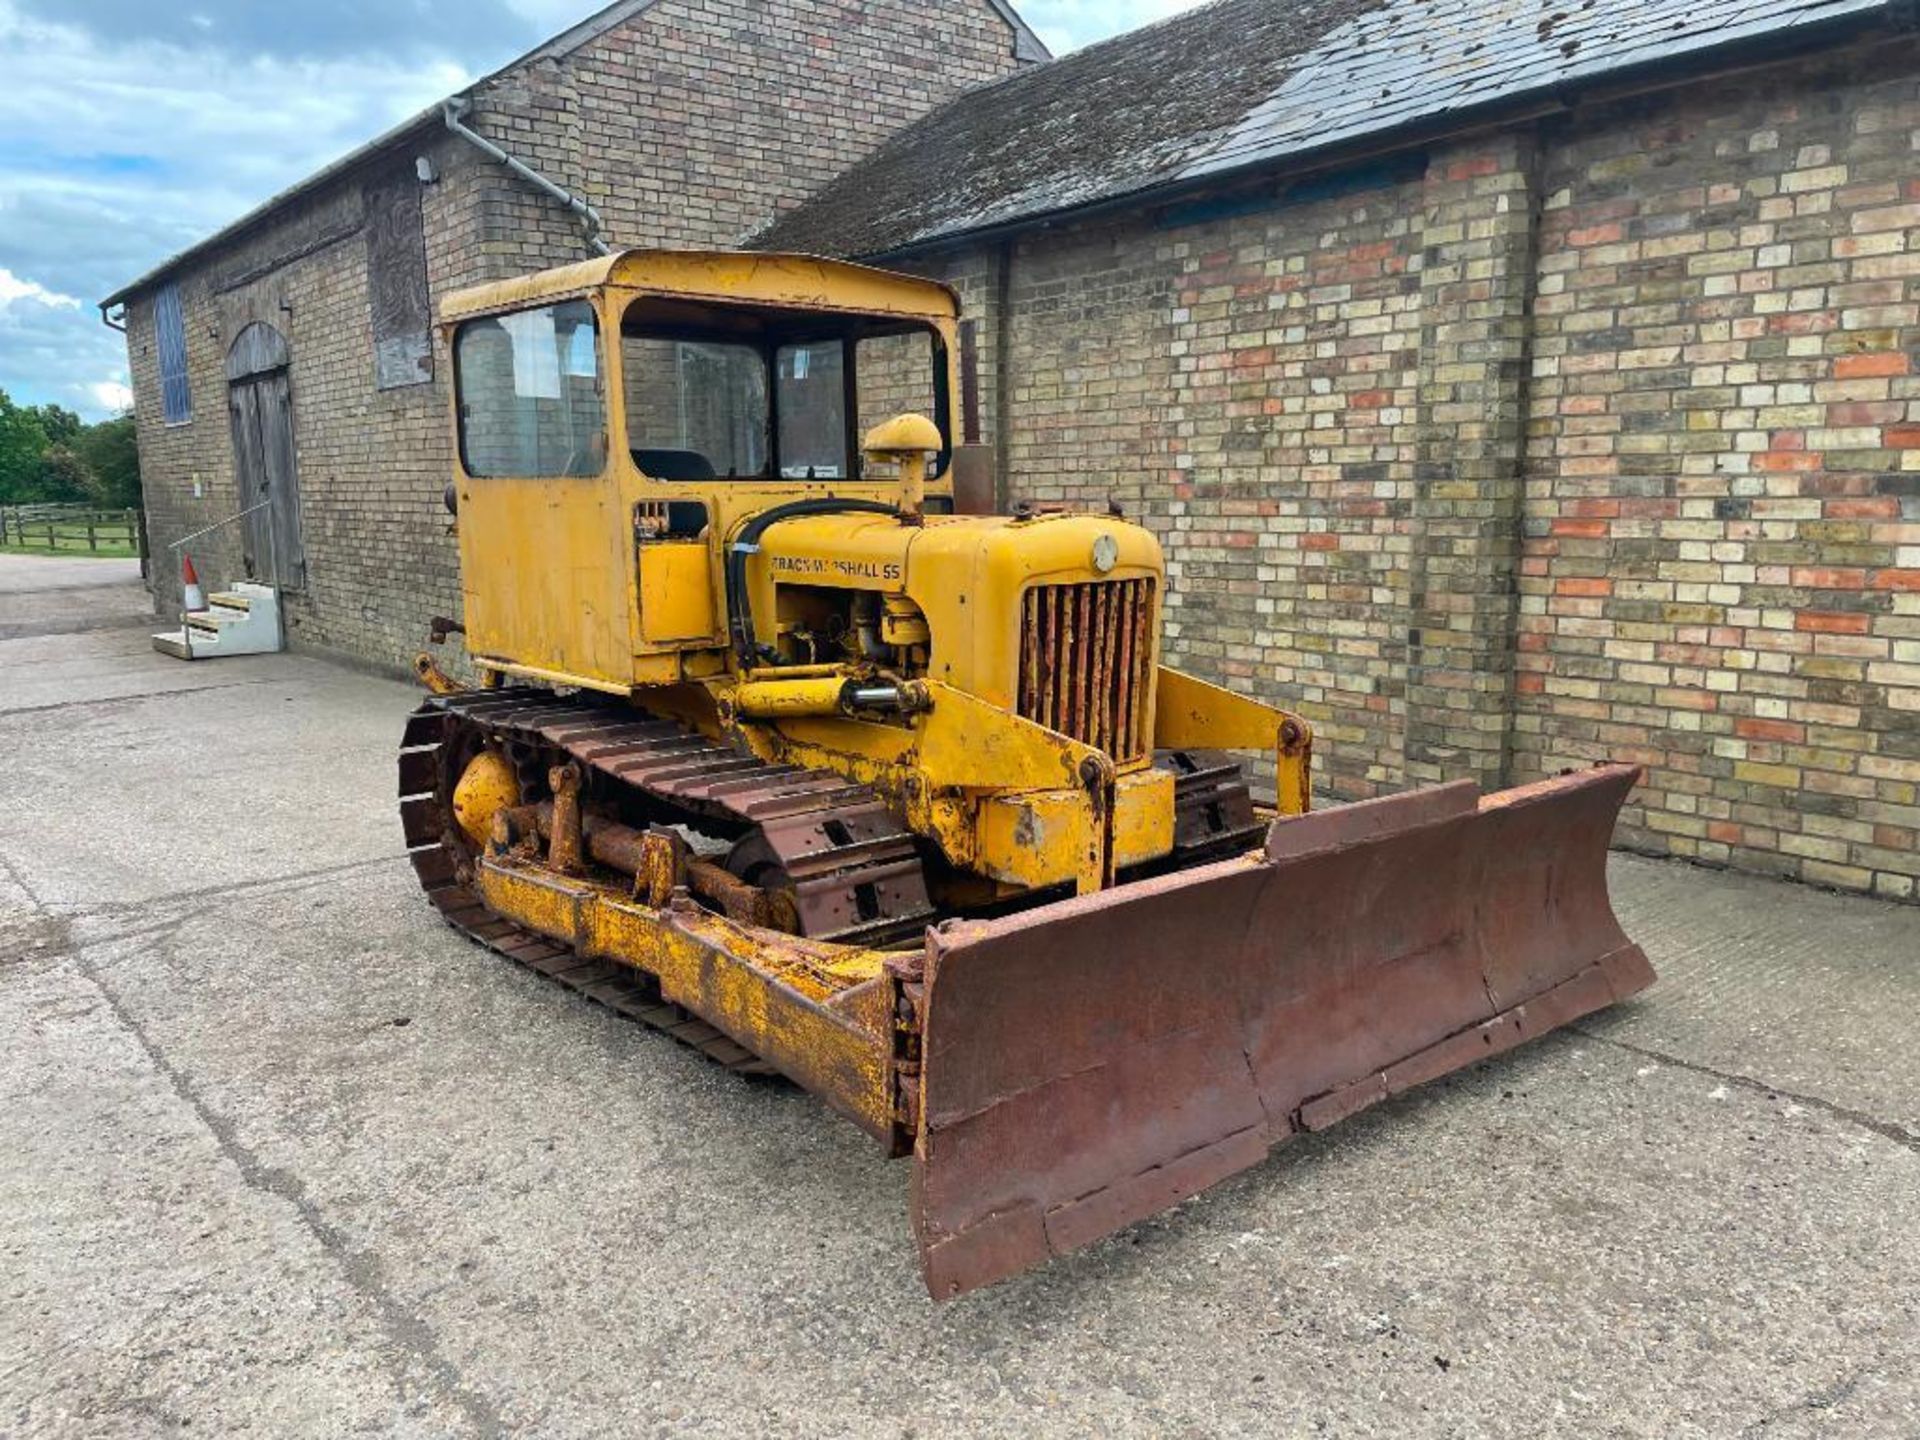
(1085, 653)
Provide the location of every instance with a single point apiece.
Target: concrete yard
(280, 1154)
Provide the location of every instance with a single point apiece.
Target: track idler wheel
(486, 787)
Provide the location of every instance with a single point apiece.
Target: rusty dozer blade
(1091, 1063)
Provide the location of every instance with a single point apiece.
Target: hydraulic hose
(739, 607)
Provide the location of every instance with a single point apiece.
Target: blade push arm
(1190, 714)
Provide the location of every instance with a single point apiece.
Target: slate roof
(1241, 83)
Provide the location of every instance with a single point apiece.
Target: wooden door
(260, 407)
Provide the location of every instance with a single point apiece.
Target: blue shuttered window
(170, 337)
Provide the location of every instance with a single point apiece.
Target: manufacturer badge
(1106, 552)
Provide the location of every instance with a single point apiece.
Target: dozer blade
(1093, 1062)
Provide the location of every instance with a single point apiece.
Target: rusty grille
(1085, 653)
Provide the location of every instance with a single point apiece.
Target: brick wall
(1182, 369)
(1721, 573)
(1599, 438)
(1596, 439)
(697, 121)
(690, 124)
(1478, 238)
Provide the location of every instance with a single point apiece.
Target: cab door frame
(547, 561)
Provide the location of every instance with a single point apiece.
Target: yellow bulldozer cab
(613, 414)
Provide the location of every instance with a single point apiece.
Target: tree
(113, 457)
(22, 442)
(48, 455)
(65, 479)
(61, 426)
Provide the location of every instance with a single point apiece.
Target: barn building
(1511, 385)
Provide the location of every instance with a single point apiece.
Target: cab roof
(795, 282)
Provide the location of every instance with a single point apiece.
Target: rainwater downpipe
(588, 216)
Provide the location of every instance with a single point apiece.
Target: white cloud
(117, 151)
(112, 395)
(550, 17)
(249, 29)
(13, 288)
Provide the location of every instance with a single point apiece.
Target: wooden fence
(78, 529)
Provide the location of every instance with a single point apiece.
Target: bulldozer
(780, 740)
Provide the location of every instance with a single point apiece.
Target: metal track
(854, 869)
(1213, 815)
(443, 871)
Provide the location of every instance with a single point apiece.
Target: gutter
(589, 217)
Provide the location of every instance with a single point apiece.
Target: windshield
(810, 382)
(784, 400)
(696, 409)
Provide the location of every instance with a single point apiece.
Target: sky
(130, 129)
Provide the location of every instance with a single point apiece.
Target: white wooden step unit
(242, 621)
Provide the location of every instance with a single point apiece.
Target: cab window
(716, 391)
(696, 409)
(531, 401)
(897, 375)
(810, 381)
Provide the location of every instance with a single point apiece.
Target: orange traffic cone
(192, 596)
